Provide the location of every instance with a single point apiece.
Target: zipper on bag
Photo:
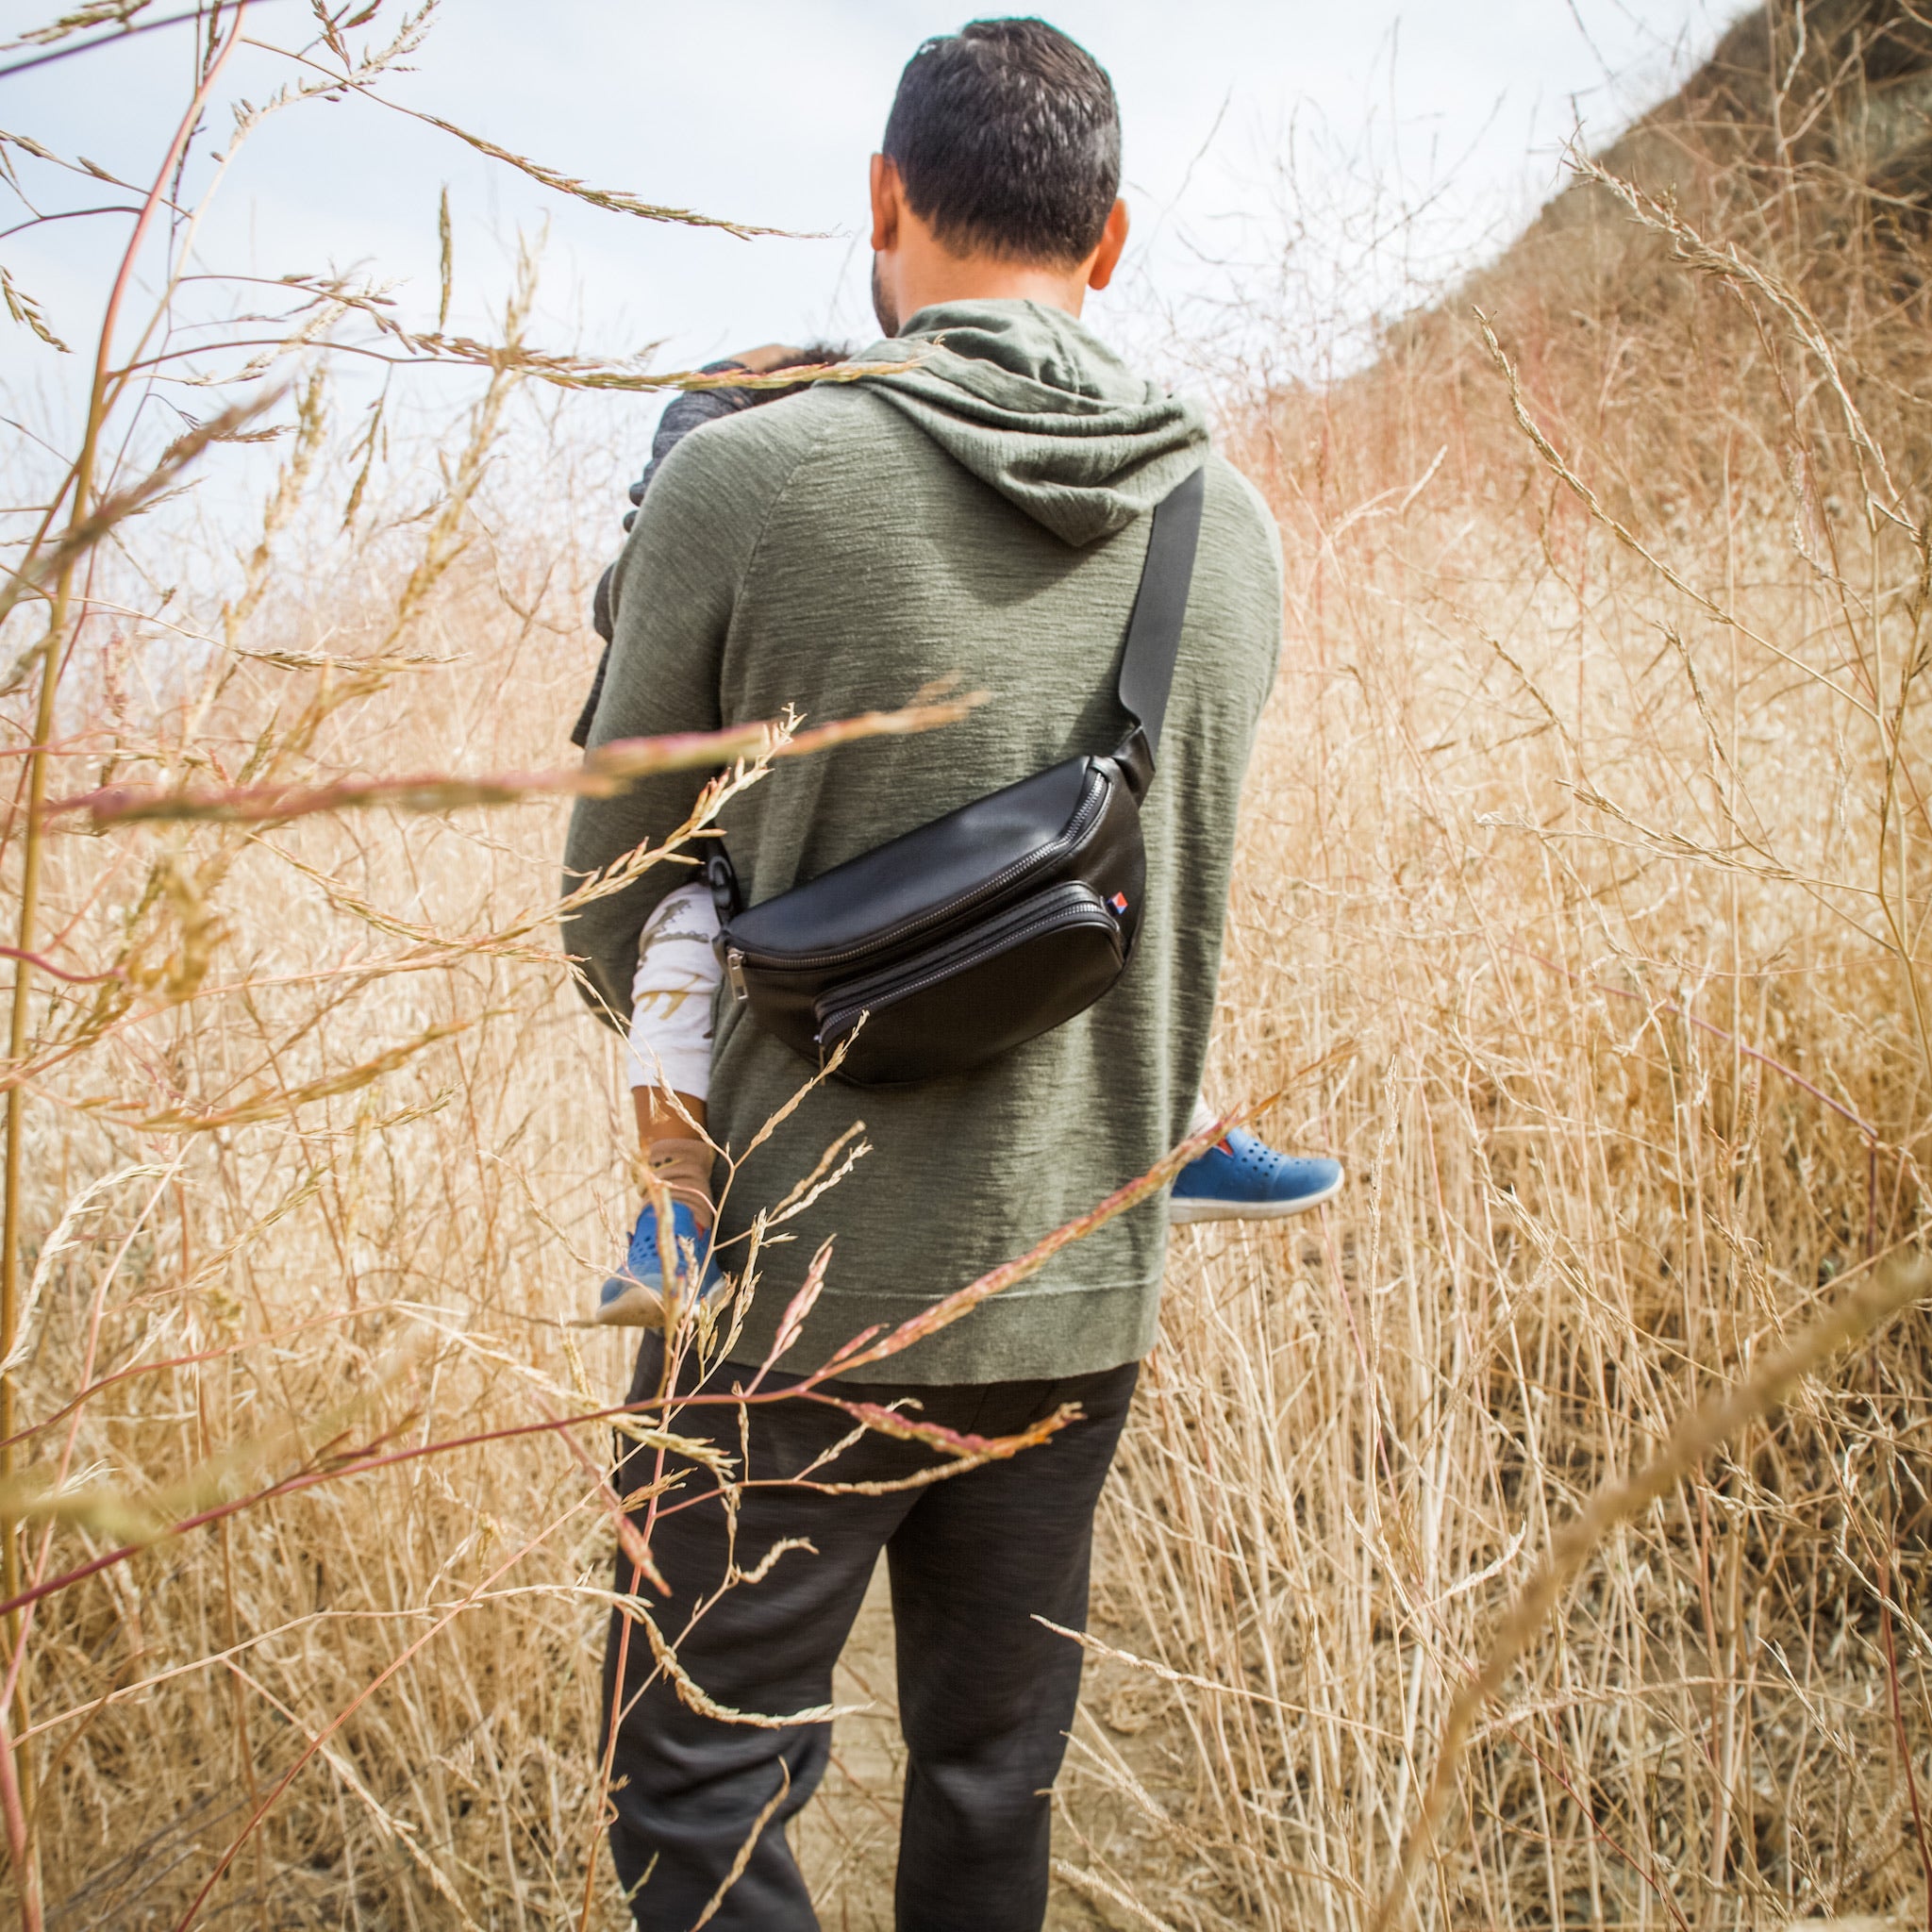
(1061, 909)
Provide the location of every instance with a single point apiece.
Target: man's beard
(882, 302)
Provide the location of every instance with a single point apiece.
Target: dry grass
(1588, 836)
(1592, 810)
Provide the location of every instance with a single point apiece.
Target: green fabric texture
(1035, 406)
(981, 516)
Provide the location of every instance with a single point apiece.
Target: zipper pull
(734, 971)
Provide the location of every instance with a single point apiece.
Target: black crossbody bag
(959, 940)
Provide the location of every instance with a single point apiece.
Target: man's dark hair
(1007, 136)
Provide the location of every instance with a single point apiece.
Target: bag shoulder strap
(1154, 630)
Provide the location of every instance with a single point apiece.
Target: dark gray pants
(986, 1695)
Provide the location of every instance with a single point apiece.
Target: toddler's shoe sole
(1183, 1211)
(631, 1306)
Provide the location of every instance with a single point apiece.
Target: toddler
(674, 999)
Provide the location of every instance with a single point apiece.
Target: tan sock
(684, 1168)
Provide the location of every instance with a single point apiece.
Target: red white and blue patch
(1119, 903)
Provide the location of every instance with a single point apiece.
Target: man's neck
(950, 279)
(925, 273)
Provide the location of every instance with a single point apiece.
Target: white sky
(1251, 125)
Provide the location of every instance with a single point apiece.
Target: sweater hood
(1043, 412)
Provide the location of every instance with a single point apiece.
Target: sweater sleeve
(685, 413)
(673, 596)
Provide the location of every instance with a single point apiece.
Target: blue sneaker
(634, 1296)
(1241, 1178)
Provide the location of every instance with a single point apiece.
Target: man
(983, 513)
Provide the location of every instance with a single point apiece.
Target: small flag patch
(1119, 903)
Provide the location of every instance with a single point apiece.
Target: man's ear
(1113, 239)
(885, 203)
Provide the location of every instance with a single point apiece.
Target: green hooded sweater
(981, 516)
